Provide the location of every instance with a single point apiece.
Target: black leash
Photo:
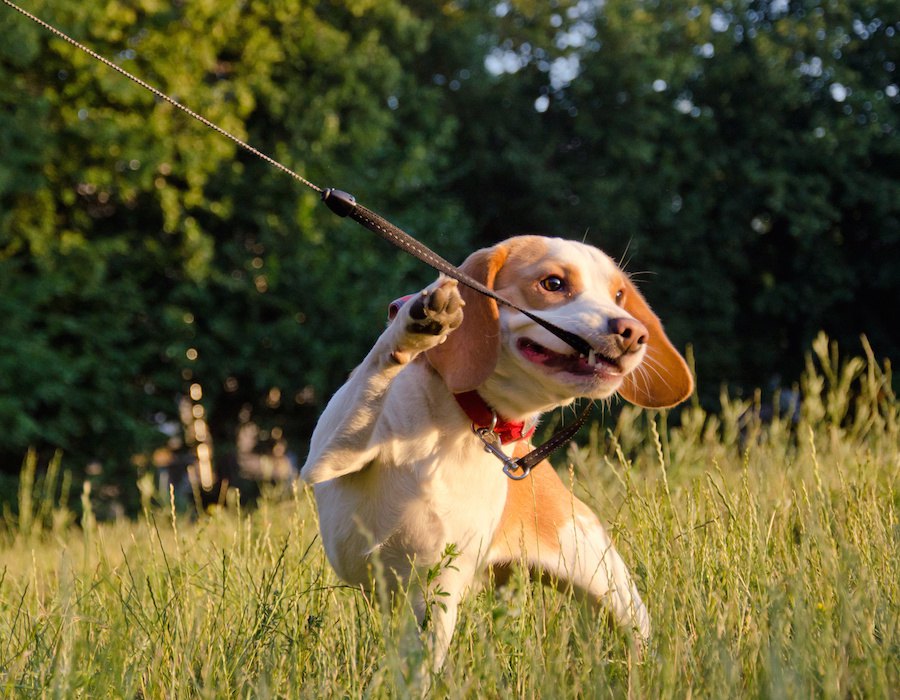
(339, 202)
(345, 205)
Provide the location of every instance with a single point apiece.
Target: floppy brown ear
(468, 356)
(663, 378)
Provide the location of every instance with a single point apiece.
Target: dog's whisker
(651, 363)
(623, 258)
(648, 368)
(644, 374)
(640, 274)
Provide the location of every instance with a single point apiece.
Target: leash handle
(345, 205)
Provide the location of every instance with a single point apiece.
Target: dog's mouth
(596, 364)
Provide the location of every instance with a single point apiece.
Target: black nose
(630, 334)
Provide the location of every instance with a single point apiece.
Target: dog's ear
(663, 378)
(468, 355)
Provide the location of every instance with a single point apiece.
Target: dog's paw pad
(436, 311)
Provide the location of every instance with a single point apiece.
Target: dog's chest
(467, 492)
(435, 459)
(455, 496)
(431, 484)
(412, 512)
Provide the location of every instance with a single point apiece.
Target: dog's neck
(517, 398)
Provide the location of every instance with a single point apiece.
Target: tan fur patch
(536, 508)
(526, 265)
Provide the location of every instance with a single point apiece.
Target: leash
(345, 205)
(338, 201)
(161, 95)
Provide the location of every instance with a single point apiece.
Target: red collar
(482, 415)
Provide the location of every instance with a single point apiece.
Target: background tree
(741, 159)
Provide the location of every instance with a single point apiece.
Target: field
(766, 543)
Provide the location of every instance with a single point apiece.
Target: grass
(768, 552)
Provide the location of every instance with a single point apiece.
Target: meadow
(764, 537)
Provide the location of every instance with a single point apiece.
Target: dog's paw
(429, 317)
(437, 310)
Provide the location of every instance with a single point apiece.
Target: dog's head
(580, 289)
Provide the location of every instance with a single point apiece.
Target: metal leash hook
(492, 444)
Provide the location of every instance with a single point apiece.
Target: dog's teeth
(592, 358)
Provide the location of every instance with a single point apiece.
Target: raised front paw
(436, 310)
(428, 317)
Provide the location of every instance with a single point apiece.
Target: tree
(741, 159)
(143, 254)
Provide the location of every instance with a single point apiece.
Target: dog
(399, 474)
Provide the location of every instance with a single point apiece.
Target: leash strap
(539, 454)
(345, 205)
(341, 203)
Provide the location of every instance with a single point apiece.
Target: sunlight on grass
(768, 551)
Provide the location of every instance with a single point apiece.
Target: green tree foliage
(745, 153)
(141, 252)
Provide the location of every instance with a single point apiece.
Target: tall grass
(768, 552)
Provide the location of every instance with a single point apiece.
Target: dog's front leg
(342, 441)
(437, 608)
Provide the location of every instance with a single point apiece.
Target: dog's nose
(630, 334)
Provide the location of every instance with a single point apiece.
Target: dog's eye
(620, 297)
(552, 283)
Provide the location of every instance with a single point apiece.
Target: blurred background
(172, 307)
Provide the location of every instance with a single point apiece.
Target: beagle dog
(400, 474)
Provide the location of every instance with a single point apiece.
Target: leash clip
(492, 444)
